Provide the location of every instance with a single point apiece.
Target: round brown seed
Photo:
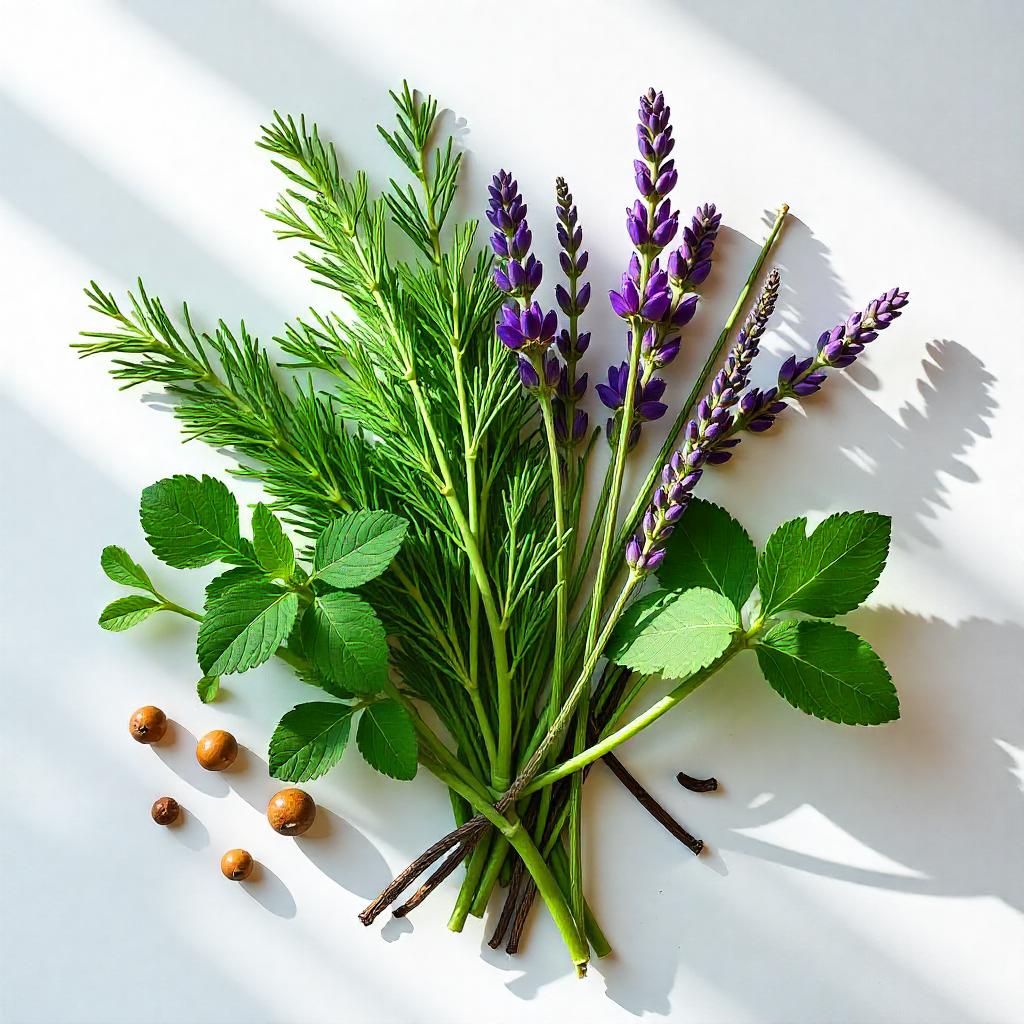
(147, 724)
(217, 750)
(291, 812)
(237, 865)
(165, 811)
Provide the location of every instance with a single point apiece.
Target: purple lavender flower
(713, 432)
(706, 438)
(571, 422)
(690, 264)
(522, 325)
(836, 349)
(518, 272)
(531, 330)
(647, 404)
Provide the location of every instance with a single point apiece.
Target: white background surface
(853, 875)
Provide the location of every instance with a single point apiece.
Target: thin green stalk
(474, 873)
(630, 729)
(568, 709)
(604, 558)
(595, 936)
(561, 582)
(495, 862)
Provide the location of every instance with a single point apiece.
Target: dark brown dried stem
(652, 806)
(508, 910)
(525, 903)
(448, 865)
(697, 785)
(472, 828)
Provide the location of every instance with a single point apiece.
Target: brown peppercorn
(148, 724)
(165, 811)
(217, 750)
(236, 865)
(291, 812)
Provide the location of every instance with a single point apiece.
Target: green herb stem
(630, 729)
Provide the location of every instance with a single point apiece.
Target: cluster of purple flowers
(713, 432)
(706, 438)
(523, 326)
(657, 302)
(836, 349)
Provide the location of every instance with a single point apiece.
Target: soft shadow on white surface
(874, 65)
(934, 793)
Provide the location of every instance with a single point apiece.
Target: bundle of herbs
(463, 543)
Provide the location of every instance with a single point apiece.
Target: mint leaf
(119, 566)
(191, 522)
(829, 672)
(825, 574)
(126, 612)
(345, 641)
(675, 634)
(708, 548)
(356, 547)
(231, 578)
(386, 738)
(243, 626)
(309, 740)
(208, 687)
(273, 549)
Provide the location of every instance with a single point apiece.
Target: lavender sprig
(522, 325)
(645, 297)
(710, 436)
(836, 349)
(705, 439)
(571, 422)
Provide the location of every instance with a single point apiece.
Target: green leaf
(386, 738)
(126, 612)
(825, 574)
(119, 566)
(243, 626)
(708, 548)
(231, 578)
(273, 548)
(208, 687)
(674, 633)
(309, 740)
(829, 672)
(191, 522)
(345, 641)
(356, 547)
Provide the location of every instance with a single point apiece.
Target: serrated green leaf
(345, 640)
(273, 548)
(243, 626)
(208, 687)
(356, 547)
(674, 633)
(191, 522)
(708, 548)
(386, 738)
(828, 573)
(309, 740)
(829, 672)
(126, 612)
(231, 578)
(121, 568)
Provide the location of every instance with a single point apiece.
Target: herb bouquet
(457, 597)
